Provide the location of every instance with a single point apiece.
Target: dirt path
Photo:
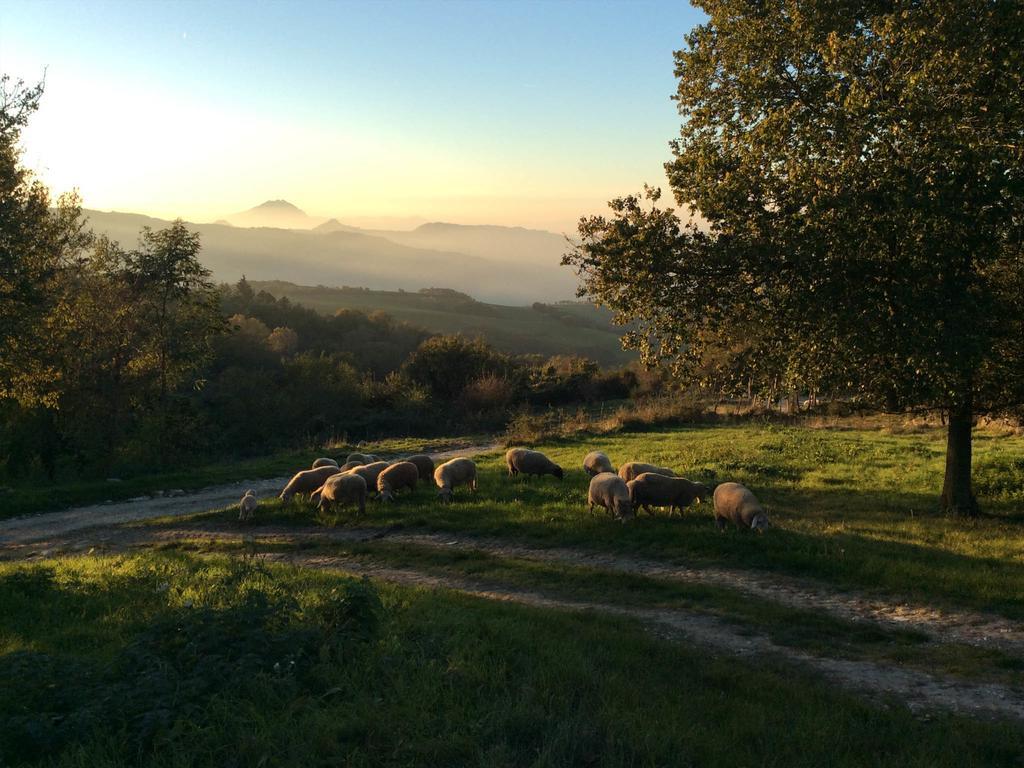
(919, 691)
(975, 628)
(21, 530)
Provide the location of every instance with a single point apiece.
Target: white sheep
(631, 469)
(362, 458)
(596, 462)
(369, 472)
(343, 488)
(307, 481)
(401, 474)
(527, 462)
(653, 490)
(323, 461)
(452, 474)
(736, 504)
(608, 490)
(247, 506)
(351, 465)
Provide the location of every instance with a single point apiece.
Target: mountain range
(278, 241)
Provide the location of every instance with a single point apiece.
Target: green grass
(32, 497)
(165, 659)
(855, 508)
(812, 631)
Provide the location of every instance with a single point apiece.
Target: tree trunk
(957, 491)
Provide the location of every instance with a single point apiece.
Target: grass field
(201, 652)
(171, 660)
(855, 508)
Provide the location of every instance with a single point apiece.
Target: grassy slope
(167, 660)
(511, 329)
(855, 508)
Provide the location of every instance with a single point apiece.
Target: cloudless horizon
(521, 114)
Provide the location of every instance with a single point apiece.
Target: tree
(860, 168)
(36, 241)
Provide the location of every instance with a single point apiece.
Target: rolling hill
(503, 265)
(569, 328)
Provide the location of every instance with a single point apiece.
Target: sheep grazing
(608, 490)
(324, 462)
(595, 462)
(527, 462)
(351, 465)
(653, 490)
(424, 464)
(369, 472)
(307, 481)
(452, 474)
(343, 488)
(401, 474)
(247, 506)
(734, 503)
(362, 458)
(631, 469)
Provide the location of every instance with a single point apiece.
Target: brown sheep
(527, 462)
(452, 474)
(631, 469)
(608, 490)
(653, 490)
(424, 464)
(401, 474)
(369, 472)
(307, 481)
(362, 458)
(324, 462)
(351, 465)
(736, 504)
(595, 462)
(343, 488)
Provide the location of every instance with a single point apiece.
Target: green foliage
(447, 365)
(859, 170)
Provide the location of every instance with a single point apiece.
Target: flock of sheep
(635, 486)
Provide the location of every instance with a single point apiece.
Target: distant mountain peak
(278, 205)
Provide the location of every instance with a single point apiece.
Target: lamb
(369, 472)
(307, 481)
(401, 474)
(362, 458)
(424, 464)
(631, 469)
(351, 465)
(247, 506)
(595, 462)
(608, 490)
(736, 504)
(531, 463)
(324, 462)
(454, 473)
(653, 490)
(342, 488)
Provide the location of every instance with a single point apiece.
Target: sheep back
(596, 462)
(401, 474)
(653, 490)
(453, 473)
(307, 481)
(631, 469)
(323, 461)
(369, 472)
(362, 458)
(609, 491)
(736, 504)
(528, 462)
(344, 488)
(424, 464)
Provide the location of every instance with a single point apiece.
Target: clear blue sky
(515, 113)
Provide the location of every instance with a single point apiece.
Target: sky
(515, 113)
